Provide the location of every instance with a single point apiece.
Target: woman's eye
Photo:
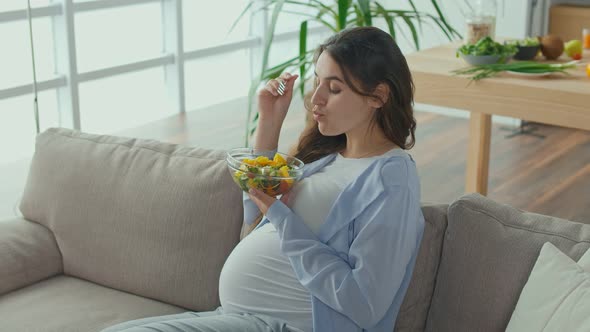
(334, 91)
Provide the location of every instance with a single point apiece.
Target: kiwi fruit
(551, 46)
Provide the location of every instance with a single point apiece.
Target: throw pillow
(556, 296)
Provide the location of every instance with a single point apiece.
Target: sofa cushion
(414, 309)
(66, 304)
(145, 217)
(556, 296)
(488, 253)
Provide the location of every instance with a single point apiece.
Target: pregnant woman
(337, 252)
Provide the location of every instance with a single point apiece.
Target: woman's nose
(317, 98)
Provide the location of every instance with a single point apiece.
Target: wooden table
(557, 99)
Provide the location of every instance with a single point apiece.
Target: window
(292, 15)
(217, 78)
(106, 38)
(110, 105)
(16, 65)
(133, 93)
(17, 124)
(9, 5)
(207, 23)
(288, 49)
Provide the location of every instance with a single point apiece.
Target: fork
(282, 87)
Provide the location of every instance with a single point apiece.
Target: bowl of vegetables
(260, 169)
(486, 51)
(527, 48)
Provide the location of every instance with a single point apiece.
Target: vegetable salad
(272, 176)
(524, 42)
(487, 46)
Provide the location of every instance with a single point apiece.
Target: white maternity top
(257, 277)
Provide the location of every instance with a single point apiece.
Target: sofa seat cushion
(67, 304)
(488, 253)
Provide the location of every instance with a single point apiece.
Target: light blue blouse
(358, 268)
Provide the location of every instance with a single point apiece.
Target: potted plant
(336, 16)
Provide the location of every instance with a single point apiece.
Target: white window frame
(68, 79)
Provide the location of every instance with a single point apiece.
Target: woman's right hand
(272, 106)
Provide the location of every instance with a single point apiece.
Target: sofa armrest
(28, 254)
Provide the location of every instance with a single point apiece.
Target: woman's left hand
(263, 201)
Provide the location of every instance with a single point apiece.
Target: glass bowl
(478, 60)
(274, 174)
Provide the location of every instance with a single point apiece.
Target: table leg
(478, 154)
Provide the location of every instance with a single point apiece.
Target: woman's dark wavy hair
(367, 57)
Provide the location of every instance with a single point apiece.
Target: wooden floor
(549, 176)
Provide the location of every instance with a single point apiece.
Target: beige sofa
(116, 228)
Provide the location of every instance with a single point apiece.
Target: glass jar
(480, 20)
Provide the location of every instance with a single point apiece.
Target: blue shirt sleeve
(364, 286)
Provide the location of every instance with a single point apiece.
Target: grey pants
(210, 321)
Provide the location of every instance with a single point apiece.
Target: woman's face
(337, 108)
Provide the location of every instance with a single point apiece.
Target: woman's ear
(381, 93)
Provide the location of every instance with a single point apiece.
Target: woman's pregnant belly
(257, 278)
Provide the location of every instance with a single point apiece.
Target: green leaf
(251, 93)
(301, 84)
(388, 19)
(271, 31)
(359, 19)
(417, 14)
(254, 124)
(302, 52)
(335, 16)
(266, 51)
(343, 6)
(240, 17)
(401, 12)
(304, 3)
(328, 25)
(313, 17)
(410, 25)
(450, 29)
(293, 62)
(317, 5)
(401, 31)
(325, 8)
(365, 8)
(313, 4)
(442, 27)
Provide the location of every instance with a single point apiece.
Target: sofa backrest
(414, 310)
(488, 253)
(136, 215)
